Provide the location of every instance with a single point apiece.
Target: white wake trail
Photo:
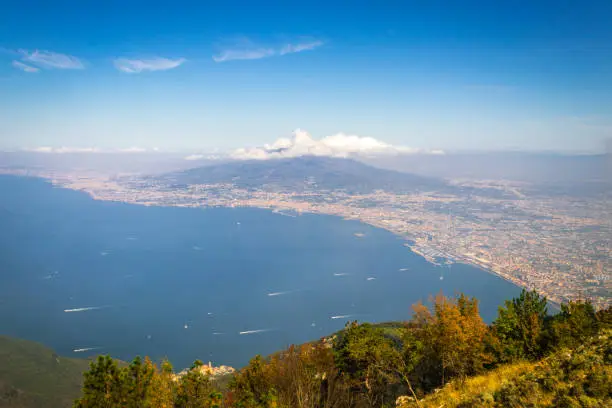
(286, 292)
(255, 331)
(81, 350)
(342, 316)
(84, 309)
(279, 293)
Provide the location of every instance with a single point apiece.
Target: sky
(208, 75)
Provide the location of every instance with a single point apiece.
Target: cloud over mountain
(338, 145)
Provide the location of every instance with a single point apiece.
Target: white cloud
(41, 149)
(194, 157)
(49, 59)
(244, 54)
(25, 67)
(338, 145)
(251, 52)
(306, 46)
(135, 66)
(69, 149)
(132, 149)
(64, 149)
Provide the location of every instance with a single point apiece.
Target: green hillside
(32, 375)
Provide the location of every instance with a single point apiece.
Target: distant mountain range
(307, 173)
(518, 166)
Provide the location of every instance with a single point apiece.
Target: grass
(567, 378)
(458, 393)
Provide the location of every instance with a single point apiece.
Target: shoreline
(289, 211)
(295, 209)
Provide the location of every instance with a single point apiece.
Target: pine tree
(103, 385)
(576, 323)
(519, 327)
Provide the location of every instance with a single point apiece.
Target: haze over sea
(216, 284)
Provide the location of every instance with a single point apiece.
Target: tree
(370, 359)
(575, 324)
(252, 388)
(163, 387)
(136, 383)
(453, 339)
(195, 390)
(102, 385)
(519, 327)
(604, 317)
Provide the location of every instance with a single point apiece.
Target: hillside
(32, 375)
(306, 172)
(567, 378)
(445, 356)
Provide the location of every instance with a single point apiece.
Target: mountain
(307, 173)
(32, 375)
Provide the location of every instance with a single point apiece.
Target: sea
(89, 277)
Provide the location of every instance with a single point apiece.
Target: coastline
(292, 211)
(104, 189)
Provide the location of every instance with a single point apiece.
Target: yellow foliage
(457, 392)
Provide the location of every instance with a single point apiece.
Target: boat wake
(342, 316)
(254, 331)
(84, 309)
(286, 292)
(82, 350)
(341, 274)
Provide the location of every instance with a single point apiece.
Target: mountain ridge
(307, 173)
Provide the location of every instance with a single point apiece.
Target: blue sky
(456, 75)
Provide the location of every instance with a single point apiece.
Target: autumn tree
(305, 376)
(452, 335)
(163, 387)
(252, 388)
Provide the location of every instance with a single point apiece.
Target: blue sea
(217, 285)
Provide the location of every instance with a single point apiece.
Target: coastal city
(560, 246)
